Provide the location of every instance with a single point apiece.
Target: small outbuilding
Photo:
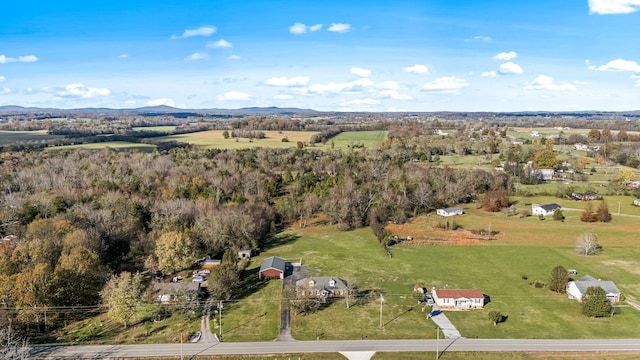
(273, 267)
(451, 211)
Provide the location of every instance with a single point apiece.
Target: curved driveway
(329, 346)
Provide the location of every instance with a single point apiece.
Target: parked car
(428, 299)
(195, 337)
(199, 278)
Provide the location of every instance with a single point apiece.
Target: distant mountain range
(273, 110)
(161, 109)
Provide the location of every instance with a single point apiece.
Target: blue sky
(403, 55)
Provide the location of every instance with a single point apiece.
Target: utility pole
(220, 318)
(381, 300)
(437, 342)
(618, 208)
(181, 353)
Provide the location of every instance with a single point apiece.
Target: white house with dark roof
(544, 210)
(577, 288)
(450, 211)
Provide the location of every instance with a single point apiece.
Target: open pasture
(117, 145)
(214, 139)
(16, 137)
(503, 270)
(165, 128)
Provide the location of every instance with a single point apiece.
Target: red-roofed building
(458, 299)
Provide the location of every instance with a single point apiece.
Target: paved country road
(274, 347)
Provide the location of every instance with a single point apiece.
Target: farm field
(167, 128)
(118, 145)
(498, 269)
(214, 139)
(14, 137)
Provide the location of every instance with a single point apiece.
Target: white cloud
(637, 77)
(506, 56)
(201, 31)
(234, 57)
(417, 68)
(26, 58)
(489, 74)
(510, 68)
(123, 56)
(354, 86)
(339, 28)
(2, 78)
(483, 38)
(222, 43)
(390, 85)
(298, 28)
(618, 65)
(161, 101)
(5, 91)
(79, 90)
(359, 102)
(234, 96)
(544, 82)
(315, 27)
(360, 71)
(447, 85)
(395, 95)
(283, 81)
(283, 97)
(608, 7)
(196, 56)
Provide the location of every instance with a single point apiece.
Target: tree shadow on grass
(279, 240)
(398, 316)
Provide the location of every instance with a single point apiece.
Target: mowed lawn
(214, 139)
(498, 270)
(347, 139)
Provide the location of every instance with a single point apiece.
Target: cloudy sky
(369, 55)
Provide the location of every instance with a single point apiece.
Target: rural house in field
(577, 288)
(321, 287)
(458, 299)
(273, 267)
(451, 211)
(208, 262)
(636, 202)
(544, 210)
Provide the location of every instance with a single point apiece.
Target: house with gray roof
(450, 211)
(544, 210)
(321, 287)
(273, 267)
(577, 288)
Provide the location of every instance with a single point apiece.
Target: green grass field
(15, 137)
(118, 145)
(346, 139)
(167, 128)
(214, 139)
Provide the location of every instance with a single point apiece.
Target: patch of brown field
(421, 233)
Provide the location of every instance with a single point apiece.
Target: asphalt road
(273, 347)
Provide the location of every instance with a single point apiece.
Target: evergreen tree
(559, 279)
(595, 303)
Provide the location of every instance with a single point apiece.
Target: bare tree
(587, 244)
(12, 346)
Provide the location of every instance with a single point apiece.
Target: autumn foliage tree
(494, 201)
(559, 279)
